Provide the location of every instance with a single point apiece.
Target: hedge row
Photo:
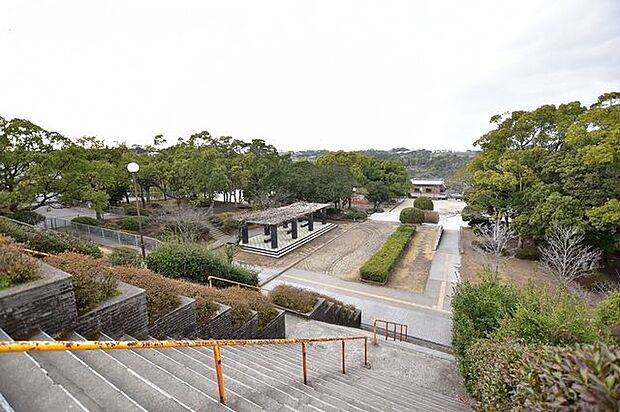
(162, 294)
(499, 330)
(414, 215)
(195, 262)
(423, 203)
(378, 267)
(48, 241)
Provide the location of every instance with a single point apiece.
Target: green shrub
(125, 256)
(28, 216)
(549, 320)
(19, 233)
(87, 220)
(92, 283)
(528, 253)
(411, 215)
(355, 214)
(477, 313)
(15, 266)
(192, 261)
(293, 298)
(423, 203)
(130, 210)
(378, 267)
(608, 310)
(132, 223)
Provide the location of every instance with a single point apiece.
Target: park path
(443, 275)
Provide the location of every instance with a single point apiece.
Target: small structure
(431, 188)
(283, 229)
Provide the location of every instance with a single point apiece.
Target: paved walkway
(443, 274)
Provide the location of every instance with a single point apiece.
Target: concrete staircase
(257, 378)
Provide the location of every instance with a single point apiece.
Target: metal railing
(49, 346)
(232, 282)
(100, 234)
(387, 327)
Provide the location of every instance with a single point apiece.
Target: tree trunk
(126, 197)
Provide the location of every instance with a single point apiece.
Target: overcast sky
(301, 74)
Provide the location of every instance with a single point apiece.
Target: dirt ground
(412, 270)
(518, 271)
(353, 244)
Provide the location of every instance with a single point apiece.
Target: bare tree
(187, 224)
(566, 257)
(494, 238)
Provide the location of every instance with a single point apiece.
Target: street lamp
(133, 168)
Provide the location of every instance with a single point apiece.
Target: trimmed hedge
(431, 216)
(28, 216)
(87, 220)
(195, 262)
(293, 298)
(125, 255)
(132, 223)
(423, 203)
(378, 267)
(411, 215)
(15, 266)
(48, 241)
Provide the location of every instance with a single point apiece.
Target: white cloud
(301, 74)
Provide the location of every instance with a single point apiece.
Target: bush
(430, 216)
(87, 220)
(528, 253)
(355, 214)
(92, 283)
(132, 223)
(410, 215)
(28, 216)
(242, 302)
(130, 210)
(608, 310)
(293, 298)
(512, 375)
(48, 241)
(192, 261)
(15, 266)
(423, 203)
(549, 320)
(378, 267)
(477, 313)
(125, 256)
(227, 222)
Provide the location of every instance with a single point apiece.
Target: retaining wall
(180, 323)
(219, 326)
(276, 329)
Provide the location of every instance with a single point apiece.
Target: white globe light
(133, 167)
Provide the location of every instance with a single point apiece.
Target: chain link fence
(99, 234)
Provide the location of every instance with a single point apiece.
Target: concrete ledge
(123, 314)
(219, 326)
(276, 329)
(179, 323)
(47, 303)
(438, 238)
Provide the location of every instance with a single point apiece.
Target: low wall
(180, 323)
(249, 330)
(276, 329)
(47, 303)
(218, 327)
(126, 313)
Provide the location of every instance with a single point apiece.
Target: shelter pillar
(266, 230)
(324, 215)
(273, 229)
(294, 228)
(310, 222)
(244, 234)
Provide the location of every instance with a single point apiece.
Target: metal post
(135, 189)
(401, 332)
(374, 332)
(366, 352)
(303, 362)
(220, 376)
(386, 330)
(343, 358)
(394, 332)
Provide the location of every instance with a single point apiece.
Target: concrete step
(273, 366)
(25, 386)
(93, 390)
(140, 388)
(242, 391)
(182, 391)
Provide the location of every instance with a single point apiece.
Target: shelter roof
(281, 214)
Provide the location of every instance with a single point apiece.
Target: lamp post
(133, 168)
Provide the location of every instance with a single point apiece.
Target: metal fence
(100, 234)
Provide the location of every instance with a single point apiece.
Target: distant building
(431, 188)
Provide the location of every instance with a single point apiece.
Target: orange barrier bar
(304, 364)
(343, 356)
(217, 356)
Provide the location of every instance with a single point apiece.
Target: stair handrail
(55, 346)
(387, 324)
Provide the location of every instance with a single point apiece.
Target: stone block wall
(126, 313)
(249, 330)
(339, 315)
(179, 323)
(219, 326)
(47, 303)
(276, 329)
